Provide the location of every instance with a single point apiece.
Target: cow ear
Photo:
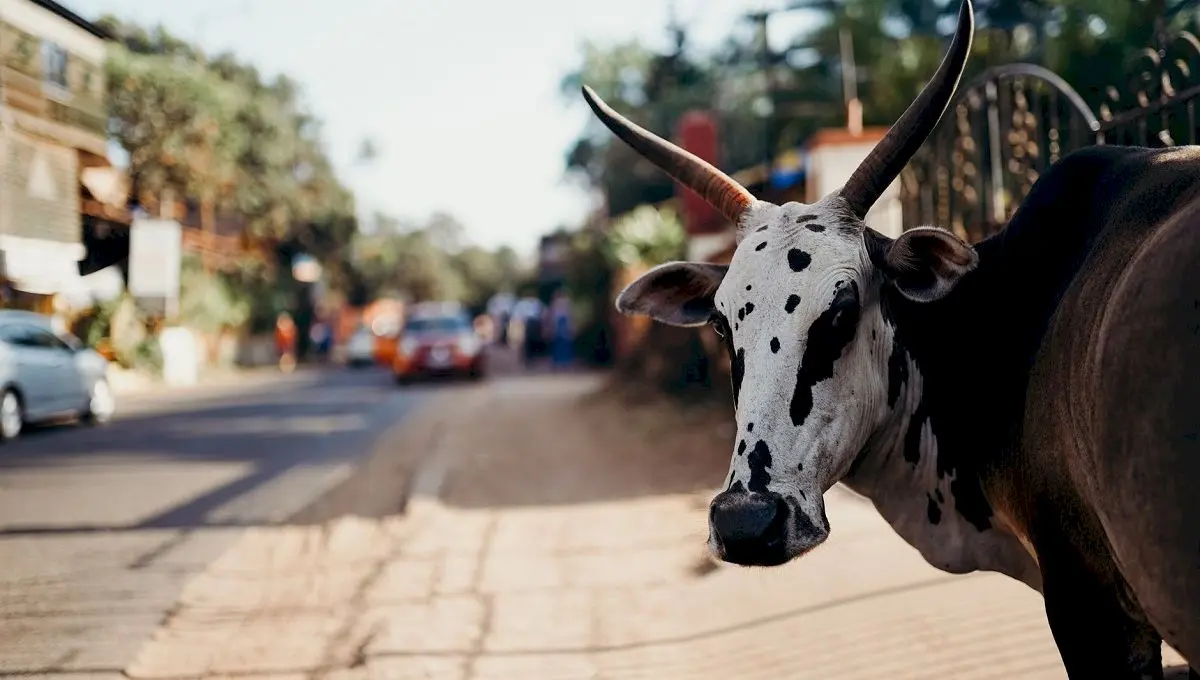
(675, 293)
(924, 263)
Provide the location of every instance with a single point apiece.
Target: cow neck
(946, 424)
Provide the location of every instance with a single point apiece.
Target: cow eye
(718, 326)
(846, 304)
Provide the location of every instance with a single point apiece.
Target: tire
(101, 405)
(12, 415)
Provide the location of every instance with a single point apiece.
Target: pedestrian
(563, 332)
(321, 336)
(285, 342)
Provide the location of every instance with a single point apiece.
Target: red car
(439, 340)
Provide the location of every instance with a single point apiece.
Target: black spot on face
(741, 314)
(761, 246)
(897, 372)
(749, 427)
(798, 260)
(827, 338)
(805, 218)
(759, 460)
(933, 511)
(748, 287)
(763, 228)
(815, 227)
(749, 307)
(793, 301)
(774, 345)
(741, 447)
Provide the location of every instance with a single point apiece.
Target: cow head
(799, 311)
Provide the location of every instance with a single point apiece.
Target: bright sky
(461, 96)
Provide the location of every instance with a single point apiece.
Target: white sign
(155, 258)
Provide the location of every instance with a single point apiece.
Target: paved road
(100, 527)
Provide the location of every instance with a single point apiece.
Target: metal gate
(1009, 124)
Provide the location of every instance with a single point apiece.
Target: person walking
(285, 342)
(563, 350)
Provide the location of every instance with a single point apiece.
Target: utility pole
(766, 64)
(850, 82)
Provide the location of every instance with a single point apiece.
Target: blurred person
(285, 342)
(321, 337)
(533, 336)
(562, 332)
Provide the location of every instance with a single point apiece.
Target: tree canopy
(779, 97)
(215, 131)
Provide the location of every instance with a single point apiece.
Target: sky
(461, 97)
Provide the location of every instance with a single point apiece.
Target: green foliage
(897, 45)
(214, 131)
(646, 235)
(428, 261)
(208, 302)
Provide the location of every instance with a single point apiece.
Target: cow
(1029, 405)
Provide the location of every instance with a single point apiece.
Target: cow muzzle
(760, 529)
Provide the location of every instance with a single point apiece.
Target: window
(14, 334)
(54, 64)
(437, 324)
(46, 340)
(24, 335)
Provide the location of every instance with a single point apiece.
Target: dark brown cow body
(1109, 493)
(1060, 382)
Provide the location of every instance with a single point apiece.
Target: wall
(40, 190)
(831, 163)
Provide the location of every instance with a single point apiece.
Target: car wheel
(101, 404)
(12, 415)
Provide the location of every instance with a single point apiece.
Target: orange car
(439, 341)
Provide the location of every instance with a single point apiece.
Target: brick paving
(565, 541)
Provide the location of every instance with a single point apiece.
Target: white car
(46, 376)
(360, 348)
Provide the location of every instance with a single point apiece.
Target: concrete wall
(830, 165)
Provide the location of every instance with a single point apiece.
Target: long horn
(907, 135)
(714, 186)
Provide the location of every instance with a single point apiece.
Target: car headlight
(468, 345)
(409, 346)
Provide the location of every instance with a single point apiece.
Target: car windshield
(437, 324)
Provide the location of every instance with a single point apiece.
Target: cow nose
(750, 528)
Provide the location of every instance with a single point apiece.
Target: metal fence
(1012, 122)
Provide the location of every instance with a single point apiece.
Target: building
(54, 169)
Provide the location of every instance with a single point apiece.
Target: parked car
(439, 340)
(360, 348)
(47, 376)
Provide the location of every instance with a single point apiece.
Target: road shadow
(269, 431)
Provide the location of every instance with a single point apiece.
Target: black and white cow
(1029, 405)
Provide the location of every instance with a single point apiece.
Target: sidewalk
(556, 535)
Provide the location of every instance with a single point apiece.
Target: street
(554, 530)
(100, 527)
